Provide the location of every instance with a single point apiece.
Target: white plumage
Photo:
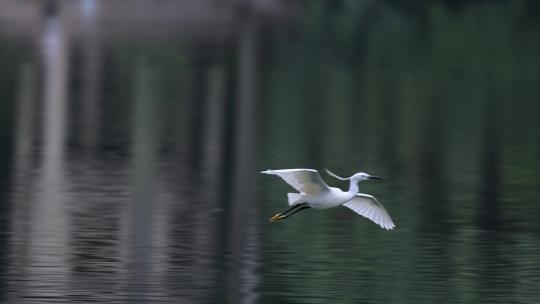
(368, 206)
(306, 181)
(315, 193)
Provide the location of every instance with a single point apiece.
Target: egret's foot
(276, 218)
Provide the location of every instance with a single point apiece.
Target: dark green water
(130, 153)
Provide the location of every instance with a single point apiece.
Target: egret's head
(361, 176)
(358, 177)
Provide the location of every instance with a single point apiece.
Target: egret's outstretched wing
(306, 181)
(369, 207)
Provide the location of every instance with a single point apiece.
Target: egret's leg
(283, 215)
(287, 213)
(297, 210)
(290, 209)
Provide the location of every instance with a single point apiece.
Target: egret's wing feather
(306, 181)
(368, 206)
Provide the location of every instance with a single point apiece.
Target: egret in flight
(315, 193)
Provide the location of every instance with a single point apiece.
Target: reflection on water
(131, 152)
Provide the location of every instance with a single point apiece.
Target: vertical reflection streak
(47, 234)
(245, 208)
(143, 179)
(215, 109)
(91, 69)
(24, 137)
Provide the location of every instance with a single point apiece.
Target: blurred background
(132, 133)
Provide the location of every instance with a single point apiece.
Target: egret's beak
(375, 177)
(275, 218)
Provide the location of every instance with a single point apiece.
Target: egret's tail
(294, 198)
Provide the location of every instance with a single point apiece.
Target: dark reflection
(97, 218)
(492, 264)
(133, 133)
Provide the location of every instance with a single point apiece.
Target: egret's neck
(353, 187)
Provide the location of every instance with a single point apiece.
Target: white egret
(315, 193)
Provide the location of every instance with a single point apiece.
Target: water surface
(130, 152)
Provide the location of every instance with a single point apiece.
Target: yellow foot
(276, 218)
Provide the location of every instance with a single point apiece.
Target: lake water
(130, 152)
